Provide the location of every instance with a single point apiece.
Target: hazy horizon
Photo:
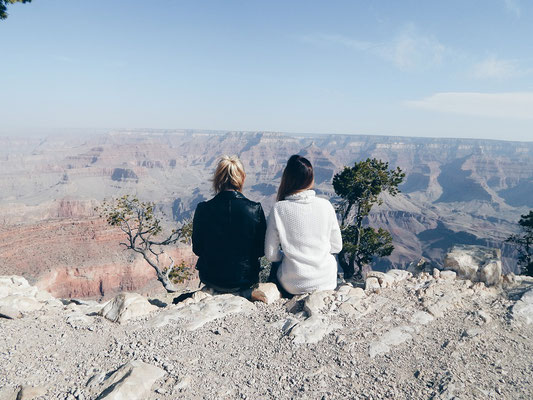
(86, 132)
(409, 69)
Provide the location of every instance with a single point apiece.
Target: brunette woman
(229, 232)
(302, 233)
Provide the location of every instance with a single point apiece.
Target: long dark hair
(297, 175)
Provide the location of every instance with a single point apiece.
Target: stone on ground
(18, 297)
(266, 293)
(477, 263)
(371, 284)
(448, 275)
(316, 302)
(393, 337)
(523, 308)
(126, 306)
(131, 381)
(312, 330)
(193, 316)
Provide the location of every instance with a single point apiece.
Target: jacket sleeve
(260, 233)
(335, 234)
(197, 230)
(272, 243)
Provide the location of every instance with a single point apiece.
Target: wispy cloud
(496, 68)
(517, 105)
(513, 6)
(407, 50)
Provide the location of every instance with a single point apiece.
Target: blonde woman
(302, 233)
(229, 232)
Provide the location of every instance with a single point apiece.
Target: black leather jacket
(228, 237)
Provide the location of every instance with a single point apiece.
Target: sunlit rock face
(457, 191)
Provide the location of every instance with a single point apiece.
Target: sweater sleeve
(272, 243)
(335, 235)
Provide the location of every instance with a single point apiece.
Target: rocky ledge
(418, 336)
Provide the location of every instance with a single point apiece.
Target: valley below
(457, 191)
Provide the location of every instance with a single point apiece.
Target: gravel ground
(474, 350)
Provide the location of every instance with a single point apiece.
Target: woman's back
(228, 239)
(307, 229)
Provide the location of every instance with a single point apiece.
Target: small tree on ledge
(359, 188)
(524, 243)
(137, 220)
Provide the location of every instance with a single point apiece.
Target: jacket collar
(304, 195)
(230, 194)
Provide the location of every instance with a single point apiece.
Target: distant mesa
(415, 182)
(124, 175)
(519, 195)
(457, 185)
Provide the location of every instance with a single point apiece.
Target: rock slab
(266, 292)
(131, 381)
(126, 306)
(477, 263)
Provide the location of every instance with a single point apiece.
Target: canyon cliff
(457, 191)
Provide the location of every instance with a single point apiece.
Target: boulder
(384, 280)
(316, 302)
(131, 381)
(31, 392)
(523, 308)
(349, 294)
(312, 330)
(491, 272)
(126, 306)
(393, 337)
(398, 275)
(20, 303)
(448, 275)
(420, 266)
(266, 292)
(195, 315)
(372, 284)
(477, 263)
(9, 312)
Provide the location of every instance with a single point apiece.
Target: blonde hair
(229, 174)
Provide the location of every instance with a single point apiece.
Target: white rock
(393, 337)
(436, 273)
(448, 275)
(523, 308)
(399, 275)
(9, 312)
(491, 272)
(316, 302)
(421, 318)
(266, 293)
(348, 309)
(312, 330)
(346, 292)
(20, 303)
(371, 284)
(126, 306)
(132, 381)
(31, 392)
(477, 263)
(78, 319)
(438, 306)
(193, 316)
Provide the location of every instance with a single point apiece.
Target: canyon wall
(456, 191)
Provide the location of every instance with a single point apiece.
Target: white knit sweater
(307, 229)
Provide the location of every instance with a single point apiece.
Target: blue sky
(414, 68)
